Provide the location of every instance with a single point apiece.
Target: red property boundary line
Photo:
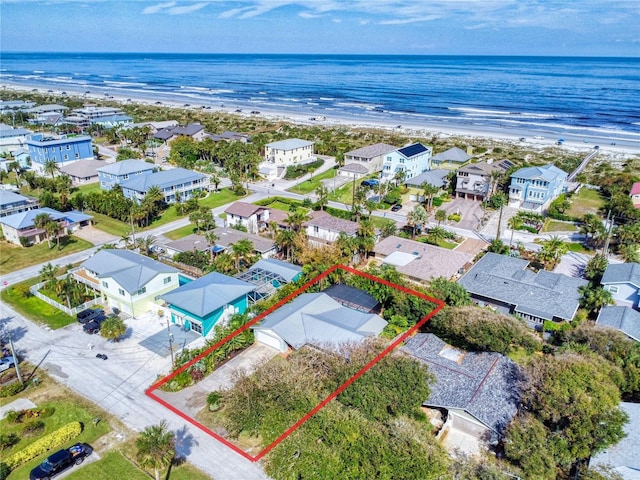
(149, 392)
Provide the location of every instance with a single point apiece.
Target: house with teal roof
(199, 305)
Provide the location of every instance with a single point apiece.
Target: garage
(269, 338)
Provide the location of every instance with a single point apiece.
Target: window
(613, 289)
(68, 147)
(166, 280)
(196, 326)
(142, 291)
(125, 177)
(77, 155)
(121, 292)
(105, 284)
(66, 157)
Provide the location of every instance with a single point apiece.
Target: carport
(175, 336)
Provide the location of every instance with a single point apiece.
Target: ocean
(555, 96)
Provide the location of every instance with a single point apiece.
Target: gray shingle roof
(484, 168)
(83, 168)
(354, 168)
(624, 456)
(316, 318)
(622, 273)
(126, 167)
(506, 279)
(188, 130)
(484, 384)
(131, 270)
(207, 294)
(26, 219)
(328, 222)
(625, 319)
(432, 177)
(290, 144)
(163, 179)
(454, 154)
(371, 151)
(228, 235)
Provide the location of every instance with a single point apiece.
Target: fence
(35, 291)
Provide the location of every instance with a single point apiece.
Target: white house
(370, 157)
(252, 217)
(474, 180)
(323, 228)
(289, 152)
(412, 160)
(127, 280)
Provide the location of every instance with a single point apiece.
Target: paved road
(117, 385)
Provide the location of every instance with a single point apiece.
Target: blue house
(179, 181)
(62, 149)
(534, 188)
(119, 172)
(200, 304)
(412, 160)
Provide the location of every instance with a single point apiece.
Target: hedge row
(44, 444)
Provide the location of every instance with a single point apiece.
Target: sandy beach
(614, 148)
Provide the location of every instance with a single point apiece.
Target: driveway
(471, 211)
(95, 236)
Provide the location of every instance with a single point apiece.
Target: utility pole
(15, 360)
(173, 363)
(605, 250)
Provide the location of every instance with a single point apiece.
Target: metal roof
(290, 144)
(26, 219)
(548, 173)
(163, 179)
(207, 294)
(130, 270)
(288, 271)
(126, 167)
(9, 198)
(484, 384)
(317, 319)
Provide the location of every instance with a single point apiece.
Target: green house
(200, 304)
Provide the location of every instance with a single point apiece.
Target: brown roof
(243, 209)
(278, 216)
(430, 261)
(328, 222)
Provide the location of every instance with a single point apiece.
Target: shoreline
(534, 139)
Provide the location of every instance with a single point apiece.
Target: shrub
(9, 440)
(44, 444)
(454, 217)
(33, 428)
(12, 389)
(4, 471)
(437, 202)
(14, 416)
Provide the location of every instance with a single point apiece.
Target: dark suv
(370, 183)
(89, 314)
(60, 461)
(94, 325)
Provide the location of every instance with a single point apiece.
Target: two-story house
(474, 180)
(194, 131)
(11, 203)
(199, 305)
(289, 152)
(179, 181)
(322, 228)
(120, 172)
(62, 149)
(622, 280)
(370, 157)
(252, 217)
(128, 281)
(411, 160)
(12, 138)
(534, 188)
(20, 228)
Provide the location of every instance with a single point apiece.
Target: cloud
(172, 8)
(158, 8)
(187, 9)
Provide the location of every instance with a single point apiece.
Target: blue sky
(430, 27)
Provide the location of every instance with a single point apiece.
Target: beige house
(370, 157)
(474, 180)
(252, 217)
(289, 152)
(323, 228)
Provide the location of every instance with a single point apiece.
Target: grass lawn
(557, 226)
(313, 183)
(585, 201)
(33, 308)
(88, 188)
(181, 232)
(286, 207)
(15, 258)
(343, 194)
(110, 225)
(222, 197)
(379, 222)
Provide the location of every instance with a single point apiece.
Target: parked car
(92, 327)
(370, 183)
(89, 314)
(6, 363)
(396, 207)
(102, 356)
(60, 461)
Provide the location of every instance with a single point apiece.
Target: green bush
(7, 441)
(14, 416)
(454, 217)
(44, 444)
(33, 428)
(12, 389)
(4, 471)
(437, 202)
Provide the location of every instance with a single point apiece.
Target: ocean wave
(114, 83)
(38, 71)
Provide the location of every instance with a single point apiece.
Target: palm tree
(196, 217)
(437, 235)
(285, 240)
(51, 167)
(630, 252)
(146, 243)
(211, 239)
(553, 249)
(296, 218)
(48, 274)
(322, 193)
(594, 298)
(40, 221)
(429, 192)
(241, 249)
(215, 180)
(53, 228)
(514, 223)
(388, 229)
(417, 216)
(441, 216)
(156, 447)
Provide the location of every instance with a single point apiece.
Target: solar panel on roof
(352, 297)
(412, 150)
